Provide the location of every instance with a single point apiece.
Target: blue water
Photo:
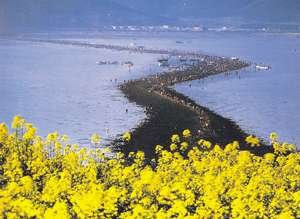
(61, 87)
(259, 101)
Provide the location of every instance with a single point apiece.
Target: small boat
(262, 67)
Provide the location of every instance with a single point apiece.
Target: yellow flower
(27, 184)
(30, 132)
(140, 155)
(126, 136)
(205, 144)
(95, 138)
(71, 182)
(59, 211)
(175, 138)
(186, 133)
(64, 138)
(18, 122)
(253, 141)
(283, 148)
(183, 146)
(158, 149)
(273, 136)
(3, 132)
(286, 215)
(173, 147)
(52, 137)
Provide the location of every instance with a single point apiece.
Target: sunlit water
(61, 88)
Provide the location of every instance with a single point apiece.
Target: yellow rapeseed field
(49, 178)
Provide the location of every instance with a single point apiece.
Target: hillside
(272, 11)
(69, 13)
(46, 14)
(247, 10)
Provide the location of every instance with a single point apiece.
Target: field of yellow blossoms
(52, 179)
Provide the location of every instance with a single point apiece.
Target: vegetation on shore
(187, 179)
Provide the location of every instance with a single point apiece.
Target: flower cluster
(95, 139)
(53, 179)
(126, 136)
(253, 141)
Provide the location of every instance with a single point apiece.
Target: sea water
(259, 101)
(60, 87)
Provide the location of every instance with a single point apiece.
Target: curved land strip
(170, 112)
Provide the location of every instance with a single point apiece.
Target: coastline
(169, 112)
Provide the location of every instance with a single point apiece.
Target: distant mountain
(271, 11)
(69, 13)
(246, 10)
(47, 14)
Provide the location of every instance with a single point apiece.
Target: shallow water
(60, 87)
(259, 101)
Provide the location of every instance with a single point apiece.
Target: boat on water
(262, 67)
